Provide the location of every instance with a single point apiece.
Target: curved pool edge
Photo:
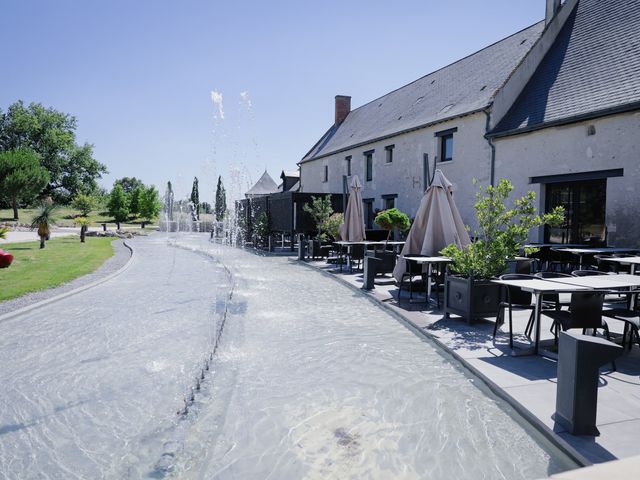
(525, 415)
(75, 291)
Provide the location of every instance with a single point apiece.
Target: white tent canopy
(437, 224)
(352, 230)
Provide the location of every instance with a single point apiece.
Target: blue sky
(139, 74)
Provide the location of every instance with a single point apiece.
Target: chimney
(343, 107)
(552, 8)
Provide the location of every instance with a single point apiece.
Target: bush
(392, 218)
(84, 203)
(320, 210)
(502, 231)
(332, 225)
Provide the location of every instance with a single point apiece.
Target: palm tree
(43, 221)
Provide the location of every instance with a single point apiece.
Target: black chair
(515, 297)
(356, 255)
(630, 316)
(559, 261)
(587, 273)
(412, 269)
(585, 312)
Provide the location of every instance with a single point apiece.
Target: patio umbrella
(352, 230)
(437, 223)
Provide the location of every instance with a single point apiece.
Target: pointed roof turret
(264, 186)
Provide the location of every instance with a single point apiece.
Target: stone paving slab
(530, 380)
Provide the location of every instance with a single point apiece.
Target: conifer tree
(221, 201)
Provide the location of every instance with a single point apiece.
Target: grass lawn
(65, 217)
(62, 260)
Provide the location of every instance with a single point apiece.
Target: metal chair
(412, 269)
(515, 297)
(630, 316)
(587, 273)
(585, 312)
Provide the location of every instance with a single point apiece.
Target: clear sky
(169, 89)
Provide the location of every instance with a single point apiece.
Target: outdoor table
(603, 282)
(429, 261)
(631, 261)
(366, 243)
(540, 287)
(581, 252)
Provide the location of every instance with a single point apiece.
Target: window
(389, 201)
(584, 203)
(389, 152)
(348, 163)
(368, 212)
(326, 173)
(446, 144)
(368, 165)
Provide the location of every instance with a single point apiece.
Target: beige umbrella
(437, 224)
(352, 230)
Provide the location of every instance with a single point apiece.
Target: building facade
(554, 108)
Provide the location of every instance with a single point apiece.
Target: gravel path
(119, 258)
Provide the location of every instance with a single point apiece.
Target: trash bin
(302, 249)
(579, 360)
(370, 269)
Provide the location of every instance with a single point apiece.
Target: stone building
(554, 108)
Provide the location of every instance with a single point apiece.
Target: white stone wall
(404, 176)
(568, 149)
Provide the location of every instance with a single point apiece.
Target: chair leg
(510, 327)
(529, 328)
(498, 320)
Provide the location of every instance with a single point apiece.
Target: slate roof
(463, 87)
(592, 68)
(264, 186)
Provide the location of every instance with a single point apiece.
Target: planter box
(387, 261)
(469, 298)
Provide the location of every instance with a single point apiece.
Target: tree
(118, 205)
(84, 203)
(206, 207)
(195, 196)
(129, 184)
(392, 218)
(43, 221)
(21, 177)
(221, 201)
(51, 134)
(135, 197)
(150, 204)
(84, 223)
(320, 210)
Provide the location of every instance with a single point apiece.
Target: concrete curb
(62, 296)
(525, 414)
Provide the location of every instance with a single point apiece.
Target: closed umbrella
(437, 224)
(352, 230)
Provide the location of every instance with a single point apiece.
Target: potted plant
(389, 220)
(501, 233)
(5, 257)
(320, 210)
(43, 221)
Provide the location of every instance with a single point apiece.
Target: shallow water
(311, 380)
(315, 381)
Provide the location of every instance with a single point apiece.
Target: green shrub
(502, 231)
(392, 218)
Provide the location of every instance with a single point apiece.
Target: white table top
(625, 260)
(427, 259)
(584, 251)
(369, 242)
(601, 281)
(540, 285)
